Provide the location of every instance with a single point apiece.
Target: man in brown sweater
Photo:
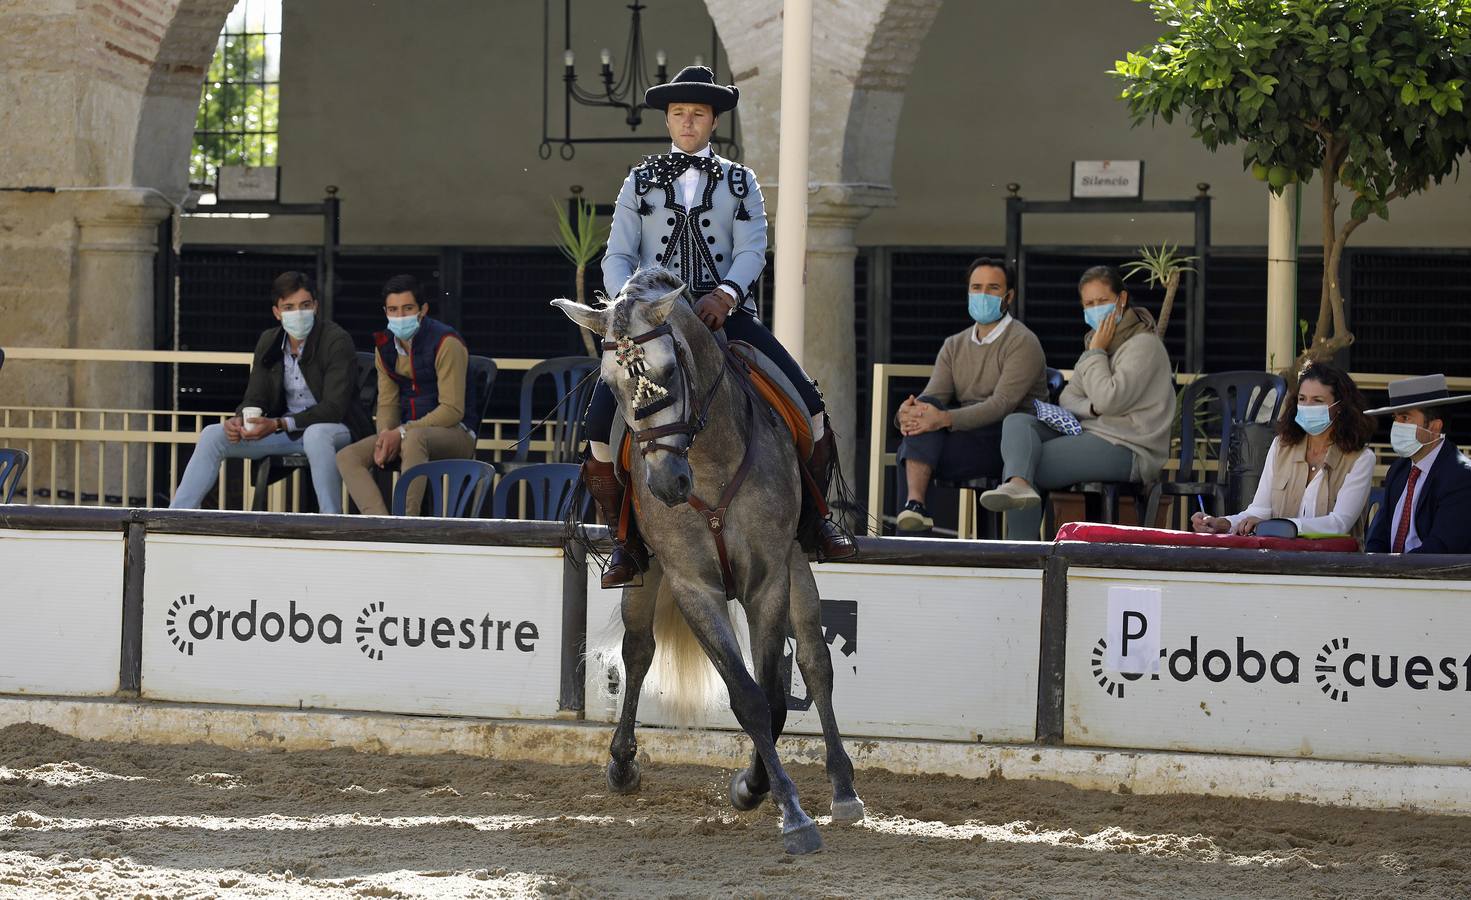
(423, 410)
(982, 374)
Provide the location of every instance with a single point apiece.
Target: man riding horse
(702, 217)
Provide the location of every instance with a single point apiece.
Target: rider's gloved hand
(713, 309)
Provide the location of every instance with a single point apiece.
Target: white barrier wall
(918, 652)
(1354, 669)
(390, 627)
(61, 601)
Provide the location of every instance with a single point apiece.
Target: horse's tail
(685, 681)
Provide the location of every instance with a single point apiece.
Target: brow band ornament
(630, 357)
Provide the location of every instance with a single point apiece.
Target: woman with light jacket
(1319, 468)
(1122, 395)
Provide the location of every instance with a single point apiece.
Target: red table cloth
(1094, 533)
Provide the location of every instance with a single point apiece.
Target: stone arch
(863, 52)
(170, 105)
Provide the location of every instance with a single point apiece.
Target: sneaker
(914, 517)
(1011, 495)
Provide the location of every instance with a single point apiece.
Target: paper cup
(249, 414)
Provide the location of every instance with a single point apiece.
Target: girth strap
(715, 517)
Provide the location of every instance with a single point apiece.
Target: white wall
(1014, 92)
(428, 118)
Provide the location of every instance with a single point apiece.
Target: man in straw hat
(702, 217)
(1427, 493)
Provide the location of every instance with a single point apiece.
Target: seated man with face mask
(303, 381)
(424, 412)
(1319, 467)
(993, 368)
(1427, 492)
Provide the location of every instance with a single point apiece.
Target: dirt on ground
(97, 819)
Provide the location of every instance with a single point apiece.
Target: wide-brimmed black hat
(694, 84)
(1418, 393)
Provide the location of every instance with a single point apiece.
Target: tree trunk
(587, 336)
(1331, 333)
(1171, 286)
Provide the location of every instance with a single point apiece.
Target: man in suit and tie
(1427, 493)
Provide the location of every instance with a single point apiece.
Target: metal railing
(105, 457)
(880, 459)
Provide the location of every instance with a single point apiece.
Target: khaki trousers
(355, 462)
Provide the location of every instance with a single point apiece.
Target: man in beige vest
(983, 374)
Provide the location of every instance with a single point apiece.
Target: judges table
(1093, 533)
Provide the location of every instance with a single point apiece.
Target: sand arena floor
(94, 819)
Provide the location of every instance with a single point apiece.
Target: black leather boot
(833, 541)
(630, 557)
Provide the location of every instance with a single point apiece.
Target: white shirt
(299, 397)
(1353, 496)
(1412, 540)
(688, 182)
(995, 332)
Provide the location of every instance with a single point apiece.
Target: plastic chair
(464, 498)
(272, 469)
(573, 388)
(13, 464)
(1225, 399)
(549, 486)
(479, 379)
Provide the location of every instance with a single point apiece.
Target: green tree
(239, 108)
(1368, 93)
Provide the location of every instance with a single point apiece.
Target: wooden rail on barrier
(116, 435)
(880, 459)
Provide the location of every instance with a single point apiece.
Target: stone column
(830, 353)
(117, 241)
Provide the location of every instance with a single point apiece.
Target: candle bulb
(606, 55)
(699, 60)
(568, 58)
(661, 58)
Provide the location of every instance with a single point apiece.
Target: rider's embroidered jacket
(721, 240)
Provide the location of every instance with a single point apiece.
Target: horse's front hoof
(623, 779)
(741, 795)
(847, 812)
(803, 839)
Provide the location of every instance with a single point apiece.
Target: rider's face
(690, 125)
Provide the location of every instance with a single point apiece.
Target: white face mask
(1404, 437)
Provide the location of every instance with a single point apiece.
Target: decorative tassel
(741, 214)
(644, 208)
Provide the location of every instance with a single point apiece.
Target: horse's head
(648, 363)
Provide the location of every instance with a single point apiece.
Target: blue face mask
(298, 322)
(403, 327)
(1094, 315)
(1315, 419)
(985, 308)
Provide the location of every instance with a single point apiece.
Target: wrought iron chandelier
(623, 92)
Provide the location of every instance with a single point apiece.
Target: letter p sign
(1133, 633)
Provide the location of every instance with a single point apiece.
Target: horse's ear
(658, 310)
(594, 320)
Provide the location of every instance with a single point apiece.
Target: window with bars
(239, 110)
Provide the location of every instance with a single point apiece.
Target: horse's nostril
(684, 484)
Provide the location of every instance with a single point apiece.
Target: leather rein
(698, 417)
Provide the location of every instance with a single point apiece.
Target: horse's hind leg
(707, 617)
(817, 670)
(638, 655)
(768, 618)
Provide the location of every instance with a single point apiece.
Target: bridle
(630, 356)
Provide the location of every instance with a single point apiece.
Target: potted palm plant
(581, 242)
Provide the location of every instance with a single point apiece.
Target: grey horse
(694, 425)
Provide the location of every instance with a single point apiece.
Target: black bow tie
(670, 166)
